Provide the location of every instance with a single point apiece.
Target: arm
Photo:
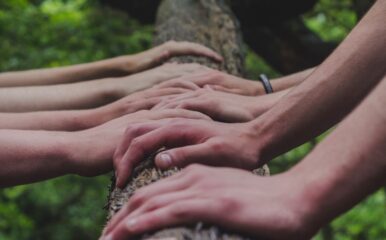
(72, 120)
(223, 106)
(30, 156)
(114, 67)
(87, 94)
(289, 81)
(220, 81)
(346, 167)
(330, 93)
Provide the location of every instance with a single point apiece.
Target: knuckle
(228, 202)
(194, 170)
(180, 211)
(138, 198)
(185, 105)
(218, 145)
(137, 145)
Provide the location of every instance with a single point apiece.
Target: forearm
(101, 69)
(261, 104)
(289, 81)
(330, 93)
(30, 156)
(84, 95)
(349, 164)
(70, 120)
(57, 97)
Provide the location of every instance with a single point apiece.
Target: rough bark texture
(270, 27)
(209, 22)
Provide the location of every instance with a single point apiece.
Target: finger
(171, 184)
(159, 201)
(142, 146)
(143, 105)
(131, 132)
(166, 100)
(178, 113)
(224, 89)
(174, 100)
(166, 91)
(183, 156)
(177, 83)
(201, 106)
(166, 105)
(177, 213)
(188, 48)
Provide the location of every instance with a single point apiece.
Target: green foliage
(332, 20)
(49, 33)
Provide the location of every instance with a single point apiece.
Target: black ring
(267, 85)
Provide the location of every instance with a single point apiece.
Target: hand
(91, 151)
(161, 53)
(121, 87)
(263, 207)
(220, 106)
(216, 80)
(194, 141)
(143, 100)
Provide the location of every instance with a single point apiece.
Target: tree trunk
(211, 23)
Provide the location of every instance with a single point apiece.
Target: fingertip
(163, 160)
(209, 87)
(218, 57)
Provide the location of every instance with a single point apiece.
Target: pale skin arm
(73, 120)
(87, 94)
(344, 169)
(220, 81)
(330, 93)
(292, 80)
(223, 106)
(30, 156)
(115, 67)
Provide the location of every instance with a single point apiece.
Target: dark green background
(49, 33)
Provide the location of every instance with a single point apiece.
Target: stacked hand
(91, 151)
(189, 141)
(220, 106)
(163, 52)
(216, 80)
(143, 100)
(264, 207)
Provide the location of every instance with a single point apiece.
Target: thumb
(183, 156)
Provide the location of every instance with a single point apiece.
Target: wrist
(307, 214)
(257, 88)
(258, 105)
(89, 152)
(124, 65)
(313, 196)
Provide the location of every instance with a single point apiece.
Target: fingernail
(166, 160)
(131, 223)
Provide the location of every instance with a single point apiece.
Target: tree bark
(211, 23)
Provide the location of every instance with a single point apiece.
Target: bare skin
(219, 81)
(74, 120)
(335, 176)
(223, 106)
(88, 94)
(322, 100)
(115, 67)
(30, 156)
